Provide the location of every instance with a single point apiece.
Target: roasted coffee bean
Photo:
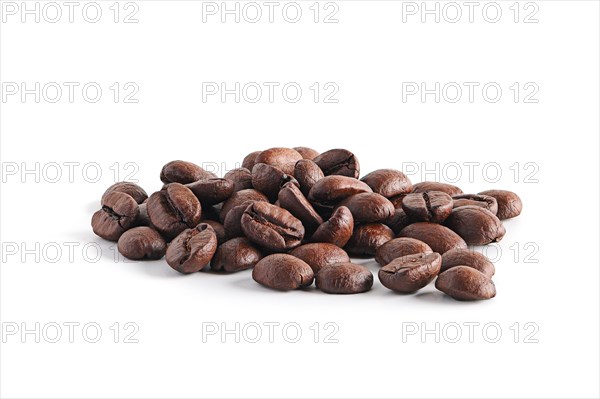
(283, 272)
(142, 243)
(476, 225)
(397, 200)
(268, 179)
(250, 160)
(411, 272)
(465, 284)
(440, 238)
(467, 257)
(219, 230)
(240, 198)
(292, 199)
(398, 221)
(282, 158)
(192, 249)
(173, 209)
(183, 172)
(233, 221)
(138, 193)
(337, 230)
(509, 203)
(484, 201)
(331, 190)
(388, 182)
(432, 206)
(235, 255)
(344, 278)
(307, 173)
(211, 191)
(338, 162)
(119, 213)
(369, 207)
(320, 255)
(307, 153)
(142, 218)
(272, 227)
(241, 178)
(367, 238)
(398, 248)
(426, 186)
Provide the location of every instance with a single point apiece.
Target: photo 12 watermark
(470, 92)
(452, 12)
(270, 92)
(252, 332)
(253, 12)
(70, 12)
(54, 332)
(470, 332)
(70, 92)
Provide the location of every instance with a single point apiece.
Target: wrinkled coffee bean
(235, 255)
(241, 178)
(331, 190)
(118, 214)
(193, 249)
(398, 248)
(283, 272)
(218, 228)
(337, 230)
(338, 162)
(476, 225)
(426, 186)
(211, 191)
(388, 182)
(183, 172)
(440, 238)
(173, 209)
(484, 201)
(509, 203)
(292, 199)
(367, 238)
(250, 160)
(398, 221)
(411, 272)
(268, 179)
(307, 153)
(142, 243)
(307, 173)
(344, 278)
(432, 206)
(240, 198)
(465, 283)
(138, 193)
(142, 218)
(369, 207)
(320, 255)
(282, 158)
(272, 227)
(467, 257)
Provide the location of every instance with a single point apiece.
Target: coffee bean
(398, 248)
(344, 278)
(183, 172)
(142, 243)
(411, 272)
(397, 200)
(272, 227)
(240, 198)
(233, 221)
(369, 207)
(509, 203)
(173, 209)
(398, 221)
(268, 179)
(307, 153)
(235, 255)
(426, 186)
(218, 228)
(211, 191)
(292, 199)
(241, 178)
(465, 284)
(193, 249)
(331, 190)
(283, 272)
(119, 213)
(476, 225)
(250, 160)
(307, 173)
(367, 238)
(282, 158)
(138, 193)
(338, 162)
(388, 182)
(142, 218)
(337, 230)
(432, 206)
(440, 238)
(320, 255)
(484, 201)
(467, 257)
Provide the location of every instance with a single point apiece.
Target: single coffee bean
(173, 209)
(272, 227)
(344, 278)
(307, 153)
(233, 221)
(292, 199)
(338, 162)
(307, 173)
(398, 248)
(142, 218)
(235, 255)
(211, 191)
(440, 238)
(465, 284)
(367, 238)
(218, 228)
(118, 214)
(283, 272)
(138, 193)
(467, 257)
(426, 186)
(268, 179)
(484, 201)
(142, 243)
(193, 249)
(337, 230)
(388, 182)
(411, 272)
(476, 225)
(250, 160)
(431, 206)
(320, 255)
(183, 172)
(281, 158)
(398, 221)
(241, 178)
(331, 190)
(240, 198)
(509, 203)
(369, 207)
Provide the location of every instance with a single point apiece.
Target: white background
(368, 54)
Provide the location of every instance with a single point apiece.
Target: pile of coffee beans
(295, 216)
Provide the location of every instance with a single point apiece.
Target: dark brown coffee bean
(388, 182)
(367, 238)
(476, 225)
(337, 230)
(400, 247)
(320, 255)
(282, 158)
(283, 272)
(467, 257)
(398, 221)
(338, 162)
(119, 213)
(465, 284)
(183, 172)
(250, 160)
(344, 278)
(211, 191)
(235, 255)
(307, 153)
(426, 186)
(272, 227)
(240, 198)
(233, 221)
(142, 218)
(331, 190)
(218, 228)
(369, 207)
(138, 193)
(431, 206)
(292, 199)
(440, 238)
(509, 203)
(173, 209)
(307, 173)
(411, 272)
(241, 178)
(268, 179)
(142, 243)
(484, 201)
(193, 249)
